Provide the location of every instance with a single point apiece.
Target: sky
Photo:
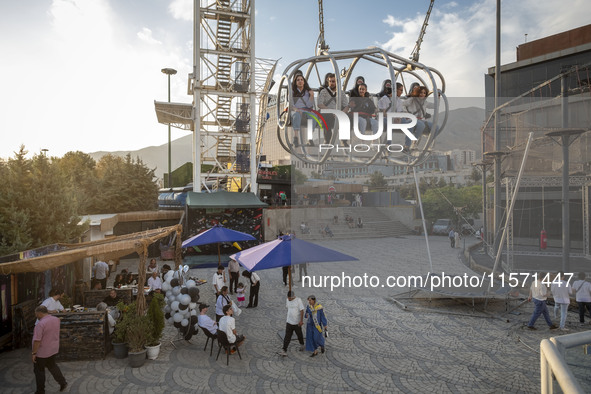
(84, 74)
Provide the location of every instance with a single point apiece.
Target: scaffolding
(227, 82)
(546, 114)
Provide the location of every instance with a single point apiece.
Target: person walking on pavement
(46, 344)
(561, 292)
(583, 295)
(295, 321)
(316, 320)
(538, 292)
(452, 238)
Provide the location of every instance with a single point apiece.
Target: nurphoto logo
(393, 121)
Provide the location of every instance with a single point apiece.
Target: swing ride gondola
(397, 68)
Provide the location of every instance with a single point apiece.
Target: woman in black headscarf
(355, 91)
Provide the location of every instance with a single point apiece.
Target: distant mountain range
(461, 132)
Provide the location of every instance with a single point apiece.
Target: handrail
(552, 362)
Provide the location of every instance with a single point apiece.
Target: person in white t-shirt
(218, 280)
(561, 292)
(227, 324)
(583, 297)
(155, 282)
(101, 272)
(53, 303)
(205, 321)
(295, 321)
(538, 292)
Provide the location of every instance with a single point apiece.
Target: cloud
(90, 86)
(146, 35)
(181, 9)
(391, 21)
(272, 18)
(460, 42)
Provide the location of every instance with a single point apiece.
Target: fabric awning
(223, 199)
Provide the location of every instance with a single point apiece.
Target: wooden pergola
(109, 248)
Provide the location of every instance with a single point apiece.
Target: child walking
(240, 294)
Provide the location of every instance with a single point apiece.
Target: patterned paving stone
(435, 346)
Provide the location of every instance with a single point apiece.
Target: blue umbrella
(286, 250)
(217, 234)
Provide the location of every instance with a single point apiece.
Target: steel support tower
(224, 95)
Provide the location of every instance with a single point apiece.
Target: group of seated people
(351, 223)
(358, 100)
(226, 324)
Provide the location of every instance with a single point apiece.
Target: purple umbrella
(217, 234)
(286, 250)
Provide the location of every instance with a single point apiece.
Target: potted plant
(66, 301)
(156, 317)
(119, 341)
(138, 334)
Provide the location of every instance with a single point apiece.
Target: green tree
(452, 203)
(125, 185)
(37, 206)
(377, 180)
(475, 175)
(80, 171)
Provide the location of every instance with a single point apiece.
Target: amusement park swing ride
(398, 68)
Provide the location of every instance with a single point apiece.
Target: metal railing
(553, 363)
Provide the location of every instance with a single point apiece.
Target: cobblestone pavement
(435, 345)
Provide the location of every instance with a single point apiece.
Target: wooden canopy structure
(108, 248)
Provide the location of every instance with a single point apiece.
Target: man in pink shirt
(46, 344)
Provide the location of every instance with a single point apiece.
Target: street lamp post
(169, 72)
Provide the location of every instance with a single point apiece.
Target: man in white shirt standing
(53, 303)
(218, 280)
(101, 271)
(538, 292)
(583, 297)
(227, 324)
(295, 320)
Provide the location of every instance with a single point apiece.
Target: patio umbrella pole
(290, 278)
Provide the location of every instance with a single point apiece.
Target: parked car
(441, 227)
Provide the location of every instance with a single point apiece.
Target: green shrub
(156, 317)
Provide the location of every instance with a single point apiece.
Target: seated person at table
(120, 280)
(53, 303)
(205, 321)
(155, 283)
(103, 307)
(165, 269)
(130, 279)
(112, 299)
(152, 267)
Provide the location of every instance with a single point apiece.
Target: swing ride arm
(414, 56)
